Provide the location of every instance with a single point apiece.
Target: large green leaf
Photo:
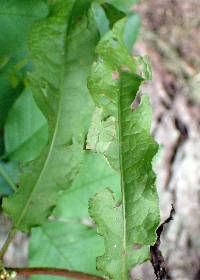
(62, 55)
(25, 129)
(114, 83)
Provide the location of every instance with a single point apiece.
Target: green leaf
(100, 18)
(113, 58)
(94, 175)
(61, 55)
(114, 83)
(113, 14)
(25, 129)
(64, 245)
(131, 31)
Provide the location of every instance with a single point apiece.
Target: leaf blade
(114, 83)
(59, 162)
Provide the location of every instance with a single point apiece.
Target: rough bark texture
(169, 37)
(17, 253)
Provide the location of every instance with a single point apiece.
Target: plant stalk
(6, 244)
(54, 272)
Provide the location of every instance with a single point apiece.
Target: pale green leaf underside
(114, 83)
(131, 31)
(94, 175)
(100, 18)
(65, 242)
(62, 58)
(64, 245)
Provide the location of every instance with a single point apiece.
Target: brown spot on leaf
(136, 102)
(115, 75)
(125, 68)
(137, 246)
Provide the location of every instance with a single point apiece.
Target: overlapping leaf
(61, 54)
(114, 83)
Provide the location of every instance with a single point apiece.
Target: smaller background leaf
(26, 130)
(63, 245)
(100, 17)
(131, 31)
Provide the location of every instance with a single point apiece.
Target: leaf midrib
(44, 166)
(53, 137)
(121, 166)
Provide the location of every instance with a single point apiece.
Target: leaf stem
(56, 272)
(7, 178)
(6, 244)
